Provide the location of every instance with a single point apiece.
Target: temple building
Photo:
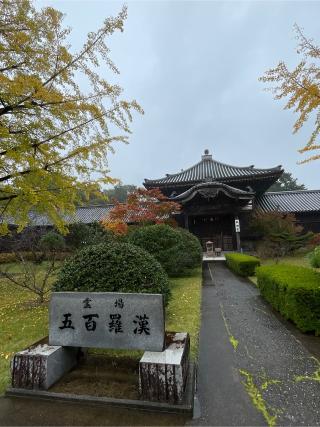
(218, 200)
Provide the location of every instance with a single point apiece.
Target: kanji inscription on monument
(107, 320)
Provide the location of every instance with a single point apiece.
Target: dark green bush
(315, 257)
(114, 267)
(177, 250)
(192, 249)
(52, 242)
(81, 235)
(294, 291)
(242, 264)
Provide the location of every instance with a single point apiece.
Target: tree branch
(12, 67)
(61, 70)
(38, 144)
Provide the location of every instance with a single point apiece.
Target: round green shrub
(177, 250)
(192, 249)
(114, 267)
(52, 242)
(315, 257)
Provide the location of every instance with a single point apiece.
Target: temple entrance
(216, 228)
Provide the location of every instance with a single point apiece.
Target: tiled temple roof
(289, 201)
(83, 214)
(208, 168)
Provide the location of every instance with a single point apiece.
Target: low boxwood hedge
(8, 257)
(294, 291)
(242, 264)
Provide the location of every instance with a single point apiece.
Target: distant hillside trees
(119, 192)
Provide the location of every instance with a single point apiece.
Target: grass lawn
(183, 313)
(23, 321)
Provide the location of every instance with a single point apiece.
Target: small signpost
(237, 227)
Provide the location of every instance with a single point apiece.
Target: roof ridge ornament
(206, 155)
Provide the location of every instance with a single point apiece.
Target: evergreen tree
(286, 182)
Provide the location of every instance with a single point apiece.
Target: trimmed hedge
(8, 257)
(176, 249)
(242, 264)
(114, 267)
(293, 291)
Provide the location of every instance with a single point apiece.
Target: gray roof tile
(289, 201)
(84, 214)
(209, 168)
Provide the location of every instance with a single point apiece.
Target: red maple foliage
(142, 206)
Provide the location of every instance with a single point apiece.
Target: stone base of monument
(35, 369)
(185, 407)
(163, 375)
(41, 365)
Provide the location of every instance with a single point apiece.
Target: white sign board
(107, 320)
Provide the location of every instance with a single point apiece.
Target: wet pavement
(29, 412)
(253, 369)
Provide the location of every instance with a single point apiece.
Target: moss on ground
(257, 399)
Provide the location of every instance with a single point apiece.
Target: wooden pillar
(237, 229)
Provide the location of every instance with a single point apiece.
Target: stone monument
(112, 321)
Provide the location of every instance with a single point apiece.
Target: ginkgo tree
(301, 87)
(53, 133)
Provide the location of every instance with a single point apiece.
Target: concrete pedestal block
(163, 375)
(41, 365)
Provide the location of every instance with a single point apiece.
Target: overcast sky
(194, 68)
